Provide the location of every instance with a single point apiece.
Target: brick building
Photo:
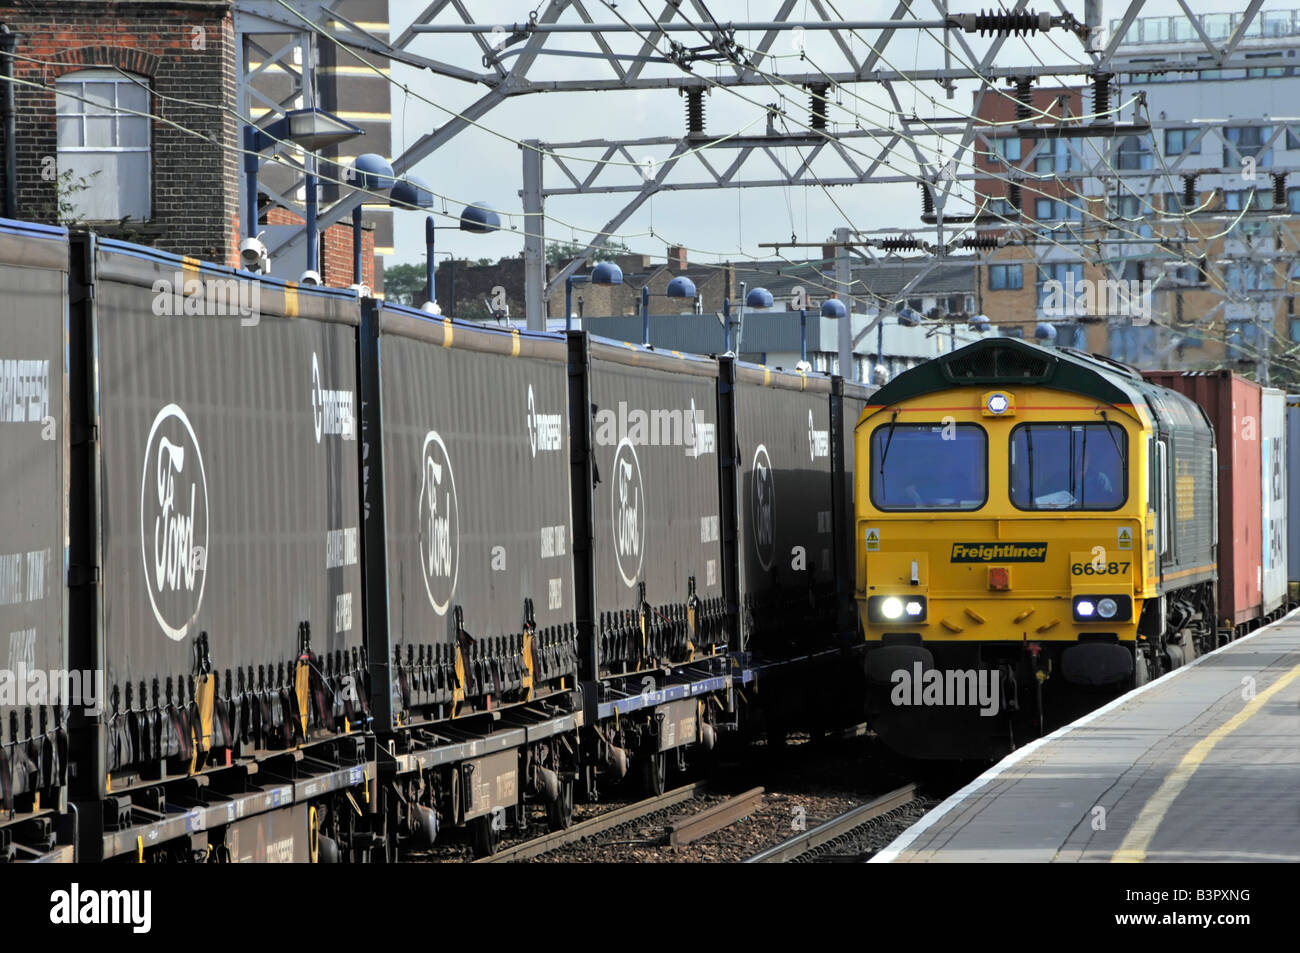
(712, 284)
(101, 68)
(127, 123)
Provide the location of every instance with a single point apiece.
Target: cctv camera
(252, 253)
(363, 291)
(431, 307)
(803, 367)
(310, 277)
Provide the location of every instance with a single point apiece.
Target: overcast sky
(719, 225)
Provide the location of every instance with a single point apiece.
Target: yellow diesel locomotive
(1036, 533)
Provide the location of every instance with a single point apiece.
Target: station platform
(1201, 765)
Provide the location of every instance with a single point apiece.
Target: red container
(1233, 405)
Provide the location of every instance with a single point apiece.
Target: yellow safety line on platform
(1134, 848)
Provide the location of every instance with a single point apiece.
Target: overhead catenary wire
(1112, 224)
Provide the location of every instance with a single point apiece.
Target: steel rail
(596, 825)
(802, 843)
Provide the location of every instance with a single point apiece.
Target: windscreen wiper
(1119, 452)
(893, 422)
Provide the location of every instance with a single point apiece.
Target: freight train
(291, 574)
(1041, 530)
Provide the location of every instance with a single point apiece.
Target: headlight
(892, 609)
(1098, 608)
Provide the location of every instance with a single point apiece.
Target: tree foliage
(561, 253)
(402, 282)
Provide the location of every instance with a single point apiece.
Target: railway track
(824, 837)
(596, 825)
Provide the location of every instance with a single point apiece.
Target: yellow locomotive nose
(1034, 491)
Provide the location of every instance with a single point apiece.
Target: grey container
(475, 437)
(785, 510)
(228, 486)
(655, 512)
(33, 438)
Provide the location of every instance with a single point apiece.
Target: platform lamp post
(368, 173)
(477, 219)
(759, 299)
(679, 287)
(831, 308)
(311, 130)
(605, 273)
(906, 318)
(414, 193)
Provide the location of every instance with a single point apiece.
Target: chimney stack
(676, 258)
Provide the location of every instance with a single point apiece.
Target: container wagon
(648, 519)
(33, 523)
(1234, 407)
(351, 573)
(213, 567)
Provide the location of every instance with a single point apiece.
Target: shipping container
(1233, 405)
(1273, 548)
(784, 509)
(476, 501)
(225, 512)
(650, 506)
(1293, 493)
(33, 305)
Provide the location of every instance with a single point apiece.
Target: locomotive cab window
(929, 467)
(1069, 467)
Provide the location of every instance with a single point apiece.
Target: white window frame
(77, 81)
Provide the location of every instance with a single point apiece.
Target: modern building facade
(1185, 227)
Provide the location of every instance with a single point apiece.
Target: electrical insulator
(695, 111)
(899, 243)
(1101, 94)
(817, 104)
(998, 23)
(1024, 98)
